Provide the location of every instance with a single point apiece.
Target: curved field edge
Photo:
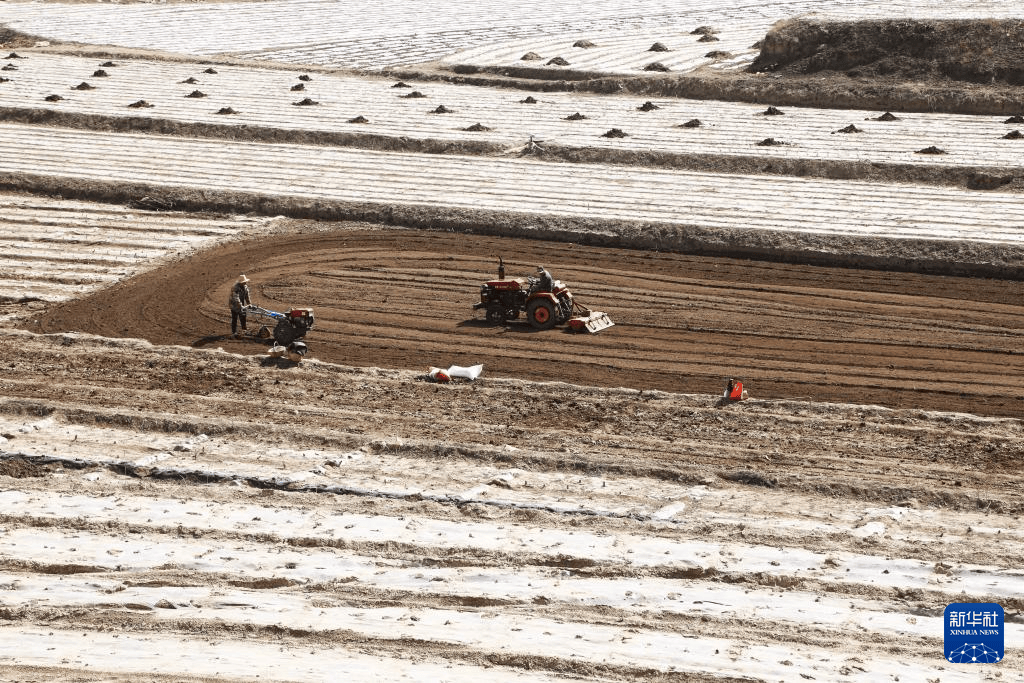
(952, 176)
(927, 256)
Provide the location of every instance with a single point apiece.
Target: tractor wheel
(511, 314)
(284, 333)
(264, 332)
(496, 316)
(541, 314)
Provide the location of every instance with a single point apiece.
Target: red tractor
(546, 301)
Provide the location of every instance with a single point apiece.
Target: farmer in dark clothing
(239, 299)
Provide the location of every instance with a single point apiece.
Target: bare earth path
(402, 299)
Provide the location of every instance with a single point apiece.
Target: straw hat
(242, 279)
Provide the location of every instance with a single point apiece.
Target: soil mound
(211, 70)
(359, 119)
(887, 116)
(658, 47)
(441, 109)
(930, 150)
(4, 80)
(985, 181)
(708, 39)
(557, 61)
(53, 98)
(772, 111)
(656, 66)
(648, 106)
(11, 67)
(530, 99)
(140, 104)
(718, 54)
(191, 80)
(850, 129)
(196, 94)
(305, 77)
(298, 87)
(575, 117)
(704, 31)
(226, 110)
(770, 142)
(1013, 135)
(583, 43)
(401, 84)
(100, 73)
(19, 468)
(305, 102)
(107, 65)
(14, 55)
(84, 86)
(692, 123)
(615, 133)
(477, 128)
(530, 57)
(415, 94)
(977, 50)
(1015, 119)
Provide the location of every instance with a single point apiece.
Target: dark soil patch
(211, 70)
(140, 104)
(692, 123)
(930, 150)
(359, 119)
(981, 51)
(305, 102)
(100, 73)
(441, 109)
(575, 117)
(615, 133)
(196, 94)
(11, 67)
(401, 84)
(850, 129)
(298, 87)
(191, 80)
(750, 478)
(19, 468)
(530, 99)
(770, 142)
(986, 181)
(658, 47)
(226, 111)
(656, 66)
(4, 80)
(557, 61)
(708, 39)
(1013, 135)
(530, 57)
(53, 98)
(83, 86)
(718, 54)
(107, 64)
(704, 31)
(414, 95)
(583, 43)
(1015, 119)
(648, 106)
(887, 116)
(477, 127)
(14, 55)
(772, 111)
(305, 77)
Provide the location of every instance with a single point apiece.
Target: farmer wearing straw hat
(238, 300)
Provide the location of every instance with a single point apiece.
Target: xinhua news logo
(974, 633)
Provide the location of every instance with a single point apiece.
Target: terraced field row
(265, 97)
(596, 191)
(380, 521)
(312, 32)
(55, 250)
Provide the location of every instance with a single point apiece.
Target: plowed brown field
(403, 299)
